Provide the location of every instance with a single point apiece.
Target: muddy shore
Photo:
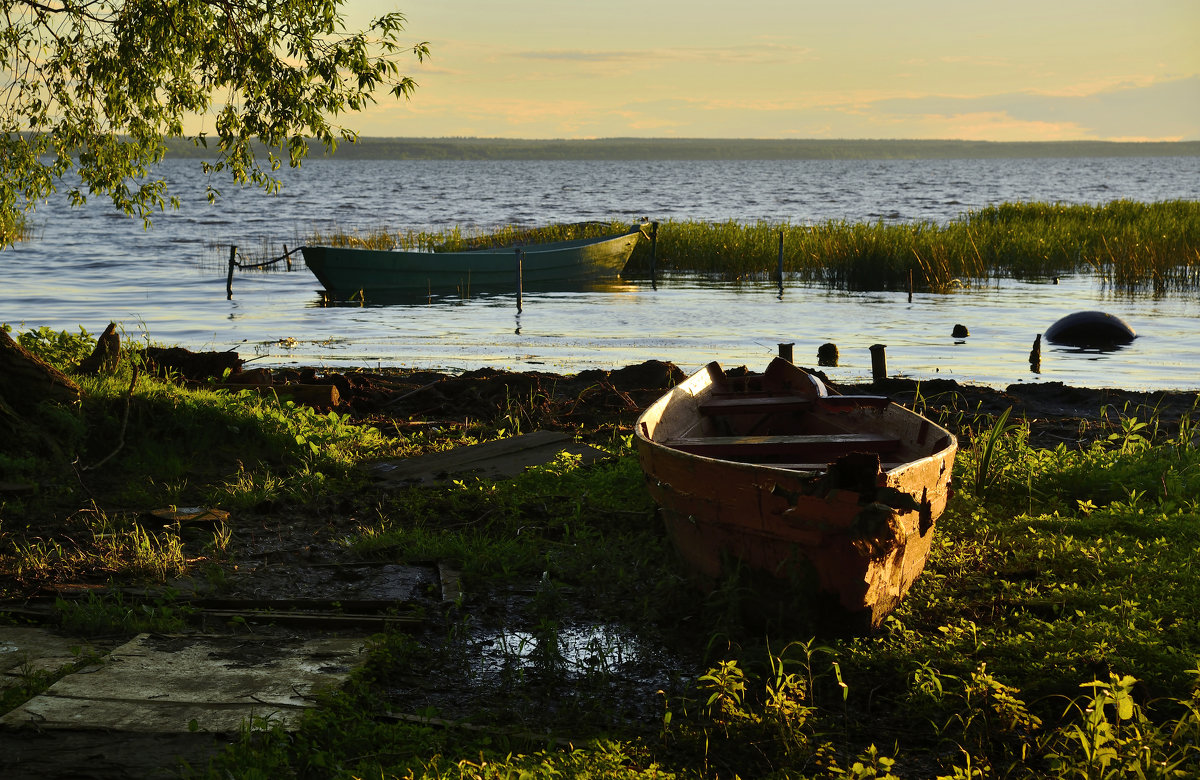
(599, 401)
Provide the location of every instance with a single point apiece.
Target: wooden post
(653, 248)
(910, 285)
(780, 271)
(785, 351)
(520, 276)
(287, 258)
(229, 278)
(878, 362)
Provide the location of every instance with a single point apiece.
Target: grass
(1053, 633)
(1131, 247)
(136, 443)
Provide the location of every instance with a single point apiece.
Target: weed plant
(115, 615)
(27, 680)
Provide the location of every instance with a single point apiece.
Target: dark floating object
(1090, 330)
(960, 332)
(827, 354)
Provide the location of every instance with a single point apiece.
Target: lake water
(87, 266)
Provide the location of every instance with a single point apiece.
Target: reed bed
(1131, 247)
(1134, 247)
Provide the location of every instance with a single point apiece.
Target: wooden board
(502, 459)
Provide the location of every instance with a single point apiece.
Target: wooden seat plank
(802, 448)
(751, 405)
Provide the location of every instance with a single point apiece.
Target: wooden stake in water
(229, 278)
(653, 249)
(878, 362)
(520, 275)
(785, 351)
(780, 271)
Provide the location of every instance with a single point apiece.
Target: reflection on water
(691, 322)
(370, 300)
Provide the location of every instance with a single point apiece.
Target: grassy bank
(1053, 634)
(1055, 631)
(1132, 247)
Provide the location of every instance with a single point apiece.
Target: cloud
(1166, 110)
(564, 55)
(759, 52)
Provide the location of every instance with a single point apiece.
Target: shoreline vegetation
(378, 148)
(1132, 247)
(1053, 633)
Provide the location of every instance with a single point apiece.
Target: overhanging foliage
(96, 86)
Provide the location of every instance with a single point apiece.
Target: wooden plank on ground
(501, 459)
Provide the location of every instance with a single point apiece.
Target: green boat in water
(370, 274)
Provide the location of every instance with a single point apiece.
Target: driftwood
(322, 397)
(190, 365)
(26, 380)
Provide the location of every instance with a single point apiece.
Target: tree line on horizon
(468, 148)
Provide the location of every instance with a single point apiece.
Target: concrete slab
(26, 649)
(161, 684)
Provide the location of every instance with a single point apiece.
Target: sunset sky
(1018, 70)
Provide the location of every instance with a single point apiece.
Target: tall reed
(1134, 247)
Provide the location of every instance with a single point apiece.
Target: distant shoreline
(375, 148)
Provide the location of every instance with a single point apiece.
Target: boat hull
(347, 273)
(847, 534)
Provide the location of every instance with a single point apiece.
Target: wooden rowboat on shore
(348, 273)
(831, 497)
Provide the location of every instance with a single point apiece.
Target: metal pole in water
(878, 362)
(229, 278)
(520, 275)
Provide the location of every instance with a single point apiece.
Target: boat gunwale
(705, 387)
(528, 250)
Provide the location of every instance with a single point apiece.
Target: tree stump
(105, 356)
